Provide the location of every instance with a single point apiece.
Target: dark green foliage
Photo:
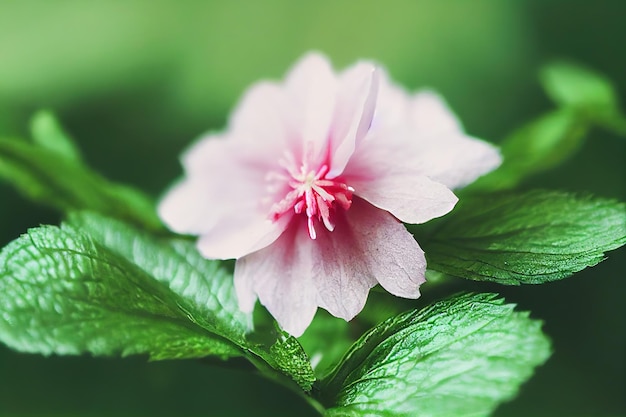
(527, 238)
(459, 357)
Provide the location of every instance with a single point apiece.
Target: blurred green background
(135, 81)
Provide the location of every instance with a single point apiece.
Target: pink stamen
(321, 172)
(311, 194)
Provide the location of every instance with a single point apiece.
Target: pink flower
(308, 186)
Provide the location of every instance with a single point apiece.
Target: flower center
(314, 195)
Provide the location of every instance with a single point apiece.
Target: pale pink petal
(244, 279)
(224, 199)
(362, 76)
(184, 210)
(312, 88)
(280, 275)
(335, 271)
(441, 148)
(262, 118)
(206, 155)
(431, 114)
(392, 104)
(456, 160)
(401, 190)
(341, 273)
(240, 233)
(220, 163)
(395, 258)
(423, 133)
(368, 246)
(192, 205)
(228, 228)
(353, 116)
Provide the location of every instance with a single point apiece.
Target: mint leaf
(589, 92)
(459, 357)
(48, 133)
(172, 296)
(538, 146)
(528, 238)
(289, 357)
(48, 175)
(205, 284)
(61, 292)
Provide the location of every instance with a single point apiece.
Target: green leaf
(283, 354)
(289, 357)
(52, 178)
(459, 357)
(48, 133)
(538, 146)
(587, 91)
(201, 316)
(528, 238)
(585, 98)
(205, 284)
(61, 292)
(569, 84)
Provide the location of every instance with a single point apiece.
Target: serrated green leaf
(61, 292)
(48, 133)
(200, 314)
(283, 354)
(459, 357)
(290, 358)
(48, 177)
(587, 91)
(205, 284)
(528, 238)
(538, 146)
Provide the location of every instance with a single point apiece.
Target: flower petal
(456, 160)
(239, 233)
(231, 220)
(392, 101)
(190, 206)
(431, 114)
(264, 122)
(422, 132)
(393, 256)
(295, 274)
(311, 88)
(367, 246)
(441, 149)
(356, 102)
(280, 275)
(342, 274)
(184, 210)
(401, 190)
(244, 279)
